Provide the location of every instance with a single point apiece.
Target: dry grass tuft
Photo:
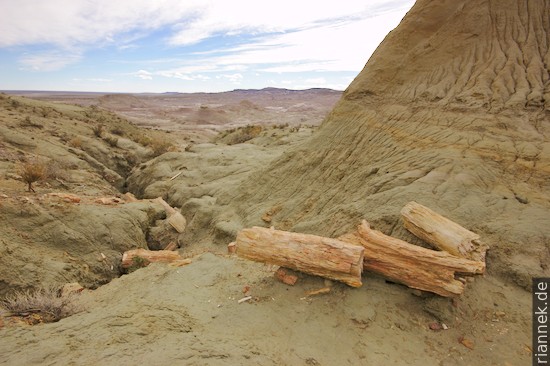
(111, 140)
(44, 305)
(76, 142)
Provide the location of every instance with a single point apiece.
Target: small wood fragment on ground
(175, 176)
(321, 291)
(171, 246)
(246, 298)
(129, 197)
(231, 247)
(68, 197)
(286, 276)
(109, 200)
(149, 256)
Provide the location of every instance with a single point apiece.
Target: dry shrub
(98, 130)
(46, 303)
(160, 147)
(132, 158)
(75, 142)
(141, 139)
(244, 134)
(33, 171)
(57, 170)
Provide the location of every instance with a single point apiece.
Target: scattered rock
(286, 276)
(468, 343)
(109, 200)
(68, 197)
(71, 288)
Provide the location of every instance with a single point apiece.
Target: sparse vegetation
(45, 304)
(131, 158)
(56, 170)
(111, 140)
(281, 126)
(160, 146)
(241, 134)
(32, 171)
(28, 122)
(98, 130)
(76, 142)
(117, 131)
(141, 139)
(137, 263)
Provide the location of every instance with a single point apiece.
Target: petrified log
(409, 264)
(442, 233)
(149, 256)
(175, 218)
(325, 257)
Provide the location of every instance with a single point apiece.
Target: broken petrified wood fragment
(286, 276)
(148, 256)
(442, 233)
(175, 218)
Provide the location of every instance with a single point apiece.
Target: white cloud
(76, 22)
(342, 44)
(317, 81)
(234, 78)
(99, 80)
(144, 75)
(48, 61)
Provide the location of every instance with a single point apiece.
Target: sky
(158, 46)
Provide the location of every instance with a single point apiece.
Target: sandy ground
(191, 315)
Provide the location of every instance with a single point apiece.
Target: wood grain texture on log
(320, 256)
(442, 233)
(150, 256)
(411, 265)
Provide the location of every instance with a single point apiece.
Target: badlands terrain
(451, 111)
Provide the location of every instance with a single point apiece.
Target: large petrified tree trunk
(442, 233)
(325, 257)
(414, 266)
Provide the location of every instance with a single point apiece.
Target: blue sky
(189, 45)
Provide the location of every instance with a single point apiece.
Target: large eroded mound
(452, 111)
